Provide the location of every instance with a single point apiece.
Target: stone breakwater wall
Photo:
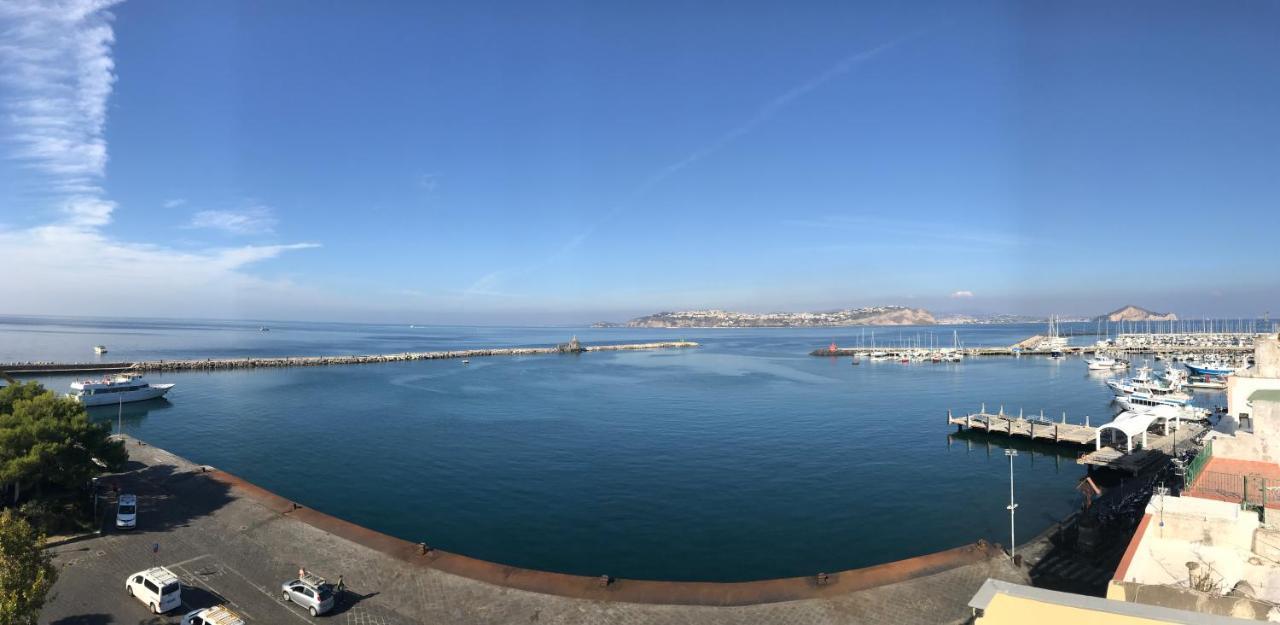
(317, 361)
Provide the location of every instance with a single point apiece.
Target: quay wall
(250, 362)
(603, 588)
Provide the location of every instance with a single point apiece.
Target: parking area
(216, 543)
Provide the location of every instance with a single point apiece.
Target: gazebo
(1133, 423)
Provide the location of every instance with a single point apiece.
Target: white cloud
(962, 294)
(57, 73)
(175, 203)
(252, 220)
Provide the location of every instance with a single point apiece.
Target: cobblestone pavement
(230, 548)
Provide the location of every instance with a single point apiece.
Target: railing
(1197, 464)
(1248, 490)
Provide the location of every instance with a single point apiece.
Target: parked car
(309, 591)
(217, 615)
(127, 512)
(157, 588)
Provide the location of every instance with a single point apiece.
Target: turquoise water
(742, 459)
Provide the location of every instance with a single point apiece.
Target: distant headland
(870, 316)
(1135, 313)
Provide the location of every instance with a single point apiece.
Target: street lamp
(1011, 453)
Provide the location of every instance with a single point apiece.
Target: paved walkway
(233, 543)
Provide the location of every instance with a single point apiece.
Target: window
(195, 620)
(150, 586)
(171, 588)
(137, 579)
(126, 509)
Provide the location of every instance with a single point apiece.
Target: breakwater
(208, 364)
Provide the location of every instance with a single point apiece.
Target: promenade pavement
(232, 545)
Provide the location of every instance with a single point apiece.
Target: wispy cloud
(57, 73)
(962, 295)
(255, 219)
(175, 203)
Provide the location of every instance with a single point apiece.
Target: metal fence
(1249, 490)
(1197, 464)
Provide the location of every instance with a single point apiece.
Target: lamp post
(1011, 453)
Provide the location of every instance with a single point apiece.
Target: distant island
(871, 316)
(1135, 313)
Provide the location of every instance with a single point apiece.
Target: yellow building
(1005, 603)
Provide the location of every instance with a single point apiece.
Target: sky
(567, 162)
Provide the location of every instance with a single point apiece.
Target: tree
(48, 442)
(26, 570)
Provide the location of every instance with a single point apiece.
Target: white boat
(1101, 363)
(1140, 400)
(99, 349)
(119, 389)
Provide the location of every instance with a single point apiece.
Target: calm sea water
(742, 459)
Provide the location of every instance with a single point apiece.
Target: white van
(157, 587)
(217, 615)
(127, 512)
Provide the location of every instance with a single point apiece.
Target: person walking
(338, 590)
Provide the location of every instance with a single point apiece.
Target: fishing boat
(121, 388)
(1212, 369)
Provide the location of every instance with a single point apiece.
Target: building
(1264, 375)
(1005, 603)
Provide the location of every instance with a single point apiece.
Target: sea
(744, 458)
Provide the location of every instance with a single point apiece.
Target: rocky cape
(1135, 313)
(873, 316)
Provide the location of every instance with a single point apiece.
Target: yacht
(118, 389)
(99, 349)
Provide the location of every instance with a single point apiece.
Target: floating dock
(1158, 449)
(317, 361)
(1035, 428)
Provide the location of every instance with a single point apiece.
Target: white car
(157, 588)
(127, 512)
(217, 615)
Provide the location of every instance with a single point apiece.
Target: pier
(1035, 428)
(1157, 447)
(1019, 350)
(251, 362)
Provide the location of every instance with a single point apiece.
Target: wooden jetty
(315, 361)
(1159, 448)
(1037, 427)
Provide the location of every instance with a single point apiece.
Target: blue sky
(566, 162)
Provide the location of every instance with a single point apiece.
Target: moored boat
(119, 389)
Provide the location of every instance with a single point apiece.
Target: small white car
(217, 615)
(309, 591)
(127, 512)
(157, 588)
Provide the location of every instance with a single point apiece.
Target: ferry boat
(1140, 400)
(121, 388)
